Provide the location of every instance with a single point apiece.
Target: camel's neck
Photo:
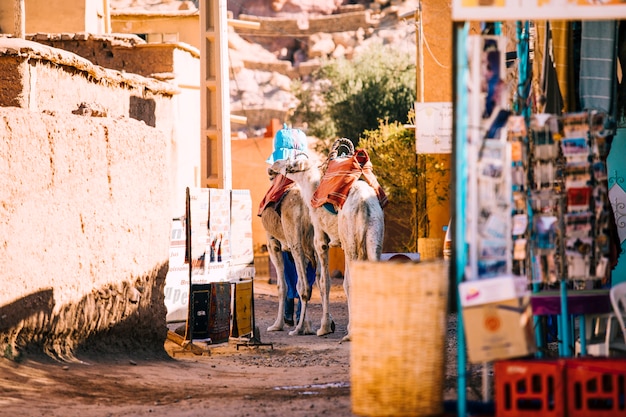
(307, 181)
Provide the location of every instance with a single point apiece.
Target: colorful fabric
(278, 189)
(562, 45)
(597, 65)
(339, 177)
(287, 144)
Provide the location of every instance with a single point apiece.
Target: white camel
(289, 228)
(358, 227)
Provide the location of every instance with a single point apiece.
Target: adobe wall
(288, 26)
(186, 24)
(127, 56)
(55, 16)
(85, 208)
(40, 78)
(127, 53)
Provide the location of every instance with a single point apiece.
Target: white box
(498, 319)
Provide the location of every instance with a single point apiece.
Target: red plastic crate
(596, 387)
(533, 387)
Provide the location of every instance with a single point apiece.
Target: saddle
(339, 177)
(277, 191)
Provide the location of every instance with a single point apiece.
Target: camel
(288, 227)
(358, 227)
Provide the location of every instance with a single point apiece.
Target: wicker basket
(397, 322)
(430, 248)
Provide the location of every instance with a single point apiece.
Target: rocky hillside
(295, 37)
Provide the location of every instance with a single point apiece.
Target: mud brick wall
(40, 78)
(84, 210)
(127, 53)
(342, 22)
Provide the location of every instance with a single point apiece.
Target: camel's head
(299, 163)
(272, 174)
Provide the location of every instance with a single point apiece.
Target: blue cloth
(597, 64)
(287, 144)
(291, 277)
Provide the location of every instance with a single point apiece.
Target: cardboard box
(497, 317)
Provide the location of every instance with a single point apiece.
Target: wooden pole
(421, 224)
(20, 20)
(420, 53)
(107, 16)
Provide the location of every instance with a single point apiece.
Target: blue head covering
(288, 143)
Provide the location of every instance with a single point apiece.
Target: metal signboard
(496, 10)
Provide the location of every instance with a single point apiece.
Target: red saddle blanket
(339, 177)
(280, 185)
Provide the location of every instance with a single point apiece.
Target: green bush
(414, 183)
(350, 97)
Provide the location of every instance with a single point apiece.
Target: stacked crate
(575, 387)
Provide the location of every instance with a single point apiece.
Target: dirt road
(301, 376)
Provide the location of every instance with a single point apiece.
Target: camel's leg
(346, 288)
(321, 247)
(276, 257)
(304, 290)
(304, 325)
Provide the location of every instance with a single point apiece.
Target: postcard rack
(540, 200)
(569, 200)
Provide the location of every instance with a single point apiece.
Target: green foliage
(391, 148)
(412, 182)
(350, 97)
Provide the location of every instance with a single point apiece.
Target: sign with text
(177, 279)
(496, 10)
(241, 228)
(433, 127)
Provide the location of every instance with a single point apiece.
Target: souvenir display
(569, 201)
(541, 203)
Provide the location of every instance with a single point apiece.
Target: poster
(433, 129)
(496, 10)
(177, 279)
(199, 215)
(219, 224)
(241, 228)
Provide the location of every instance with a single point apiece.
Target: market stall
(532, 173)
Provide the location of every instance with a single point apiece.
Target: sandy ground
(297, 376)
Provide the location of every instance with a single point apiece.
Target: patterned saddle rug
(277, 191)
(339, 177)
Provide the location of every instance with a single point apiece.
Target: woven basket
(397, 323)
(430, 248)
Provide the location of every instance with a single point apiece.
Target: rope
(431, 52)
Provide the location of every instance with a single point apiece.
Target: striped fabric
(278, 189)
(339, 177)
(597, 65)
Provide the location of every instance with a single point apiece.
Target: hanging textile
(621, 54)
(539, 46)
(597, 65)
(551, 89)
(561, 32)
(524, 71)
